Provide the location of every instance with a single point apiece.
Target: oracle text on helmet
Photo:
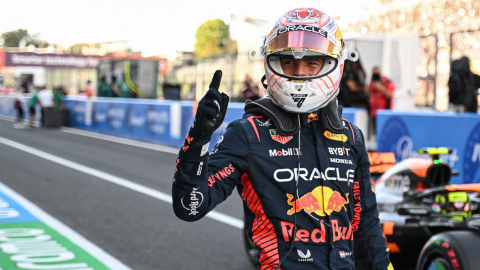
(307, 28)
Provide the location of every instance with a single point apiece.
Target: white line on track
(70, 234)
(146, 145)
(234, 222)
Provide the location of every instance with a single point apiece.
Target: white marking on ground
(146, 145)
(70, 234)
(234, 222)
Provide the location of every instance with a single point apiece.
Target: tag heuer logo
(279, 138)
(299, 99)
(335, 137)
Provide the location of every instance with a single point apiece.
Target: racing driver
(301, 170)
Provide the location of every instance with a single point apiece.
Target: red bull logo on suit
(321, 201)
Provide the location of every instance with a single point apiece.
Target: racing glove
(211, 109)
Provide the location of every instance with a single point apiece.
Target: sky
(155, 27)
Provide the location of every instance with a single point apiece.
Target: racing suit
(336, 211)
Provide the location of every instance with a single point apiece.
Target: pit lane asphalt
(140, 231)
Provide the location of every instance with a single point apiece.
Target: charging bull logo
(321, 201)
(312, 117)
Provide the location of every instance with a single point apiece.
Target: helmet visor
(302, 39)
(309, 67)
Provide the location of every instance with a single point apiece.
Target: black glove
(211, 109)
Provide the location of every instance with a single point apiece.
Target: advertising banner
(405, 132)
(2, 58)
(117, 120)
(15, 59)
(99, 117)
(137, 119)
(77, 112)
(158, 123)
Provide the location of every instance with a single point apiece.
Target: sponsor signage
(196, 200)
(284, 152)
(306, 28)
(15, 59)
(277, 137)
(404, 133)
(2, 58)
(321, 200)
(336, 137)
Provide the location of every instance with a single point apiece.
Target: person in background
(89, 89)
(19, 104)
(114, 87)
(32, 107)
(58, 98)
(251, 90)
(45, 98)
(352, 86)
(463, 86)
(25, 87)
(381, 93)
(124, 89)
(103, 89)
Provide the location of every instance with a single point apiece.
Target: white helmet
(304, 32)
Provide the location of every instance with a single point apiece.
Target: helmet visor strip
(279, 63)
(301, 39)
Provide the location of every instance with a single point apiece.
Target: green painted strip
(34, 245)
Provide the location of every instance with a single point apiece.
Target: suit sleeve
(203, 180)
(370, 247)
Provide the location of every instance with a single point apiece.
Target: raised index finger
(217, 78)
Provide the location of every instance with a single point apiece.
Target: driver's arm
(201, 181)
(370, 247)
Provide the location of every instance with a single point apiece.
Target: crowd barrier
(165, 122)
(405, 132)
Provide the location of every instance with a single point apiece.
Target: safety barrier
(165, 122)
(405, 132)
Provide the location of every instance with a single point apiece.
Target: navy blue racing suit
(336, 210)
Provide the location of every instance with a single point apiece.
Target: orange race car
(428, 224)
